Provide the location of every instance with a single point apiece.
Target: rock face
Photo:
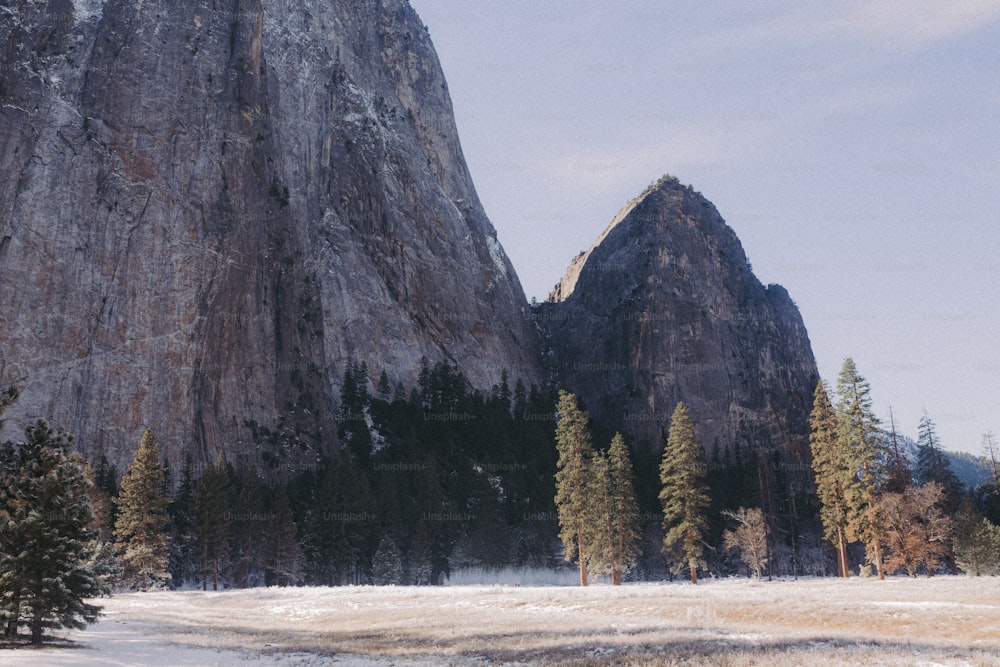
(207, 209)
(665, 308)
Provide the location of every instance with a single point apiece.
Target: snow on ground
(939, 621)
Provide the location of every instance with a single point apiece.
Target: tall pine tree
(212, 523)
(859, 431)
(141, 527)
(684, 494)
(834, 473)
(281, 552)
(47, 543)
(575, 502)
(933, 465)
(625, 529)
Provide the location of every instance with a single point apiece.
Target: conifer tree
(831, 463)
(933, 465)
(684, 494)
(181, 517)
(248, 529)
(976, 543)
(623, 509)
(387, 564)
(282, 549)
(574, 498)
(47, 544)
(599, 531)
(212, 524)
(141, 526)
(860, 435)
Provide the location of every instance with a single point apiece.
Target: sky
(854, 148)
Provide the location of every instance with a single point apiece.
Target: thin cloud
(921, 23)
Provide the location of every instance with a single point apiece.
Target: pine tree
(976, 543)
(384, 390)
(387, 564)
(282, 549)
(141, 527)
(47, 544)
(900, 475)
(860, 435)
(623, 509)
(684, 494)
(212, 523)
(933, 466)
(834, 474)
(574, 499)
(248, 529)
(180, 513)
(599, 540)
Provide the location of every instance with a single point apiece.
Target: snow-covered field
(939, 621)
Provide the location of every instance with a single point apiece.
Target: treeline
(880, 513)
(913, 519)
(442, 475)
(438, 477)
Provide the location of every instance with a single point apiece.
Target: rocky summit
(664, 307)
(208, 209)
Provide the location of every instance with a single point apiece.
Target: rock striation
(208, 208)
(664, 307)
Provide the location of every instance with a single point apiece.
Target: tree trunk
(583, 560)
(15, 605)
(878, 559)
(842, 554)
(36, 628)
(694, 573)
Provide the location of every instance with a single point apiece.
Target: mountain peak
(665, 308)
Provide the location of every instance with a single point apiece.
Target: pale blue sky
(854, 148)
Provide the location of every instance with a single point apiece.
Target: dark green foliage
(248, 530)
(835, 474)
(622, 510)
(859, 434)
(684, 495)
(577, 487)
(212, 523)
(282, 549)
(977, 542)
(180, 512)
(48, 547)
(387, 565)
(933, 466)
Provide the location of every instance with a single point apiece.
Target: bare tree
(917, 531)
(749, 538)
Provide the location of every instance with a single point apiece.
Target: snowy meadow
(939, 621)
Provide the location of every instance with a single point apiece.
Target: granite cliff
(664, 307)
(208, 208)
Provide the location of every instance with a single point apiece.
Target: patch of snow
(378, 440)
(85, 10)
(496, 254)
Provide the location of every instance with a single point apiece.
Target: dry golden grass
(945, 620)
